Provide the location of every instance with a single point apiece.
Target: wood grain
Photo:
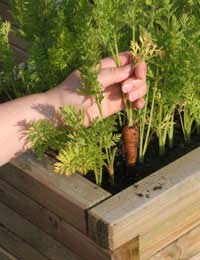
(33, 236)
(5, 13)
(185, 248)
(51, 224)
(68, 197)
(5, 255)
(17, 246)
(129, 251)
(171, 208)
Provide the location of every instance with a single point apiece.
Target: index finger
(124, 58)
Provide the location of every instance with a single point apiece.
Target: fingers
(137, 93)
(139, 103)
(111, 76)
(134, 88)
(141, 70)
(124, 57)
(131, 83)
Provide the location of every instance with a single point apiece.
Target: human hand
(132, 81)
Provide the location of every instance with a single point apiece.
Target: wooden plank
(185, 248)
(171, 208)
(32, 235)
(18, 247)
(6, 2)
(5, 255)
(14, 39)
(129, 251)
(68, 197)
(5, 13)
(20, 55)
(17, 45)
(51, 224)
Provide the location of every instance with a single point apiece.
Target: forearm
(14, 117)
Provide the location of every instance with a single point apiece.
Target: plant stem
(143, 148)
(142, 127)
(128, 104)
(100, 109)
(115, 54)
(129, 113)
(162, 130)
(116, 51)
(186, 124)
(171, 131)
(198, 128)
(96, 178)
(161, 147)
(100, 176)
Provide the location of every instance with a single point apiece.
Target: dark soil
(126, 176)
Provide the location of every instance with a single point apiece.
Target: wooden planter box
(157, 218)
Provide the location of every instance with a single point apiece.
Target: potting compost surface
(126, 176)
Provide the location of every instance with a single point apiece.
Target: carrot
(131, 142)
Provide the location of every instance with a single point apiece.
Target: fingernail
(126, 88)
(128, 68)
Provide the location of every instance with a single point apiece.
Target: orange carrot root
(131, 141)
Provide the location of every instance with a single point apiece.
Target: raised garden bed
(96, 225)
(155, 218)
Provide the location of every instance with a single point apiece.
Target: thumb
(111, 76)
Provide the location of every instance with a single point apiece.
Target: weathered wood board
(171, 208)
(5, 12)
(17, 45)
(50, 223)
(5, 255)
(69, 198)
(185, 248)
(17, 246)
(30, 234)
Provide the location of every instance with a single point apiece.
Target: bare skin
(14, 115)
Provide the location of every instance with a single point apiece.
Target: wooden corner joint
(101, 232)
